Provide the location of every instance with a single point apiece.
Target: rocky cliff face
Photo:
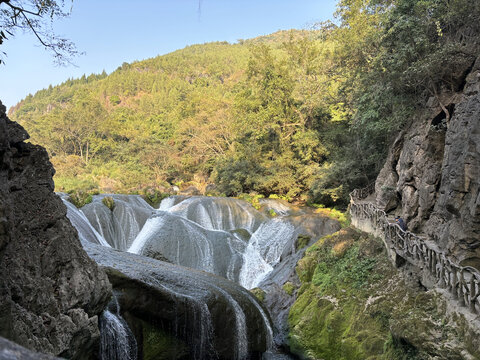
(50, 290)
(432, 174)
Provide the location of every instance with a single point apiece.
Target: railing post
(474, 291)
(461, 290)
(454, 282)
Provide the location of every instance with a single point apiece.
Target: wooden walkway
(463, 282)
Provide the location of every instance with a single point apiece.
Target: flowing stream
(221, 236)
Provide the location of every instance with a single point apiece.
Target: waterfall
(222, 236)
(116, 339)
(86, 232)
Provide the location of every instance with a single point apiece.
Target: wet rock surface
(214, 316)
(50, 290)
(432, 175)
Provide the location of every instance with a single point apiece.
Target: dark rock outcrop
(50, 290)
(11, 351)
(432, 174)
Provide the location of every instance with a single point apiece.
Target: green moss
(334, 316)
(272, 213)
(289, 288)
(353, 304)
(108, 202)
(302, 241)
(252, 199)
(259, 294)
(158, 345)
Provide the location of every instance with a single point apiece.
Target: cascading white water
(86, 232)
(226, 237)
(118, 226)
(185, 242)
(116, 339)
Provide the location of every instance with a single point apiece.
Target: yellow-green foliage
(259, 294)
(81, 198)
(252, 199)
(108, 202)
(272, 213)
(155, 197)
(342, 217)
(350, 300)
(289, 288)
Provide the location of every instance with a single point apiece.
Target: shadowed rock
(50, 290)
(11, 351)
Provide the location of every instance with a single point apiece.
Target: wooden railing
(463, 282)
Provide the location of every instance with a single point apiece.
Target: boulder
(211, 316)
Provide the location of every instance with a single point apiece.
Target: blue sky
(112, 32)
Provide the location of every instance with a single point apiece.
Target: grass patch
(259, 294)
(302, 241)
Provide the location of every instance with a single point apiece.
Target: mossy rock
(353, 304)
(242, 234)
(154, 197)
(259, 294)
(302, 241)
(159, 345)
(289, 288)
(80, 198)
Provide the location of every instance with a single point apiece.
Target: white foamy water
(116, 339)
(86, 232)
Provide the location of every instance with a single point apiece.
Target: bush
(108, 202)
(80, 198)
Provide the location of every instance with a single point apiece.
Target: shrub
(108, 202)
(80, 198)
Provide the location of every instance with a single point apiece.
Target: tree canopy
(301, 114)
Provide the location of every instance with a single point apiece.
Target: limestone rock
(51, 291)
(432, 174)
(11, 351)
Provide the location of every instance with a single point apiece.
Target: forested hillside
(301, 114)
